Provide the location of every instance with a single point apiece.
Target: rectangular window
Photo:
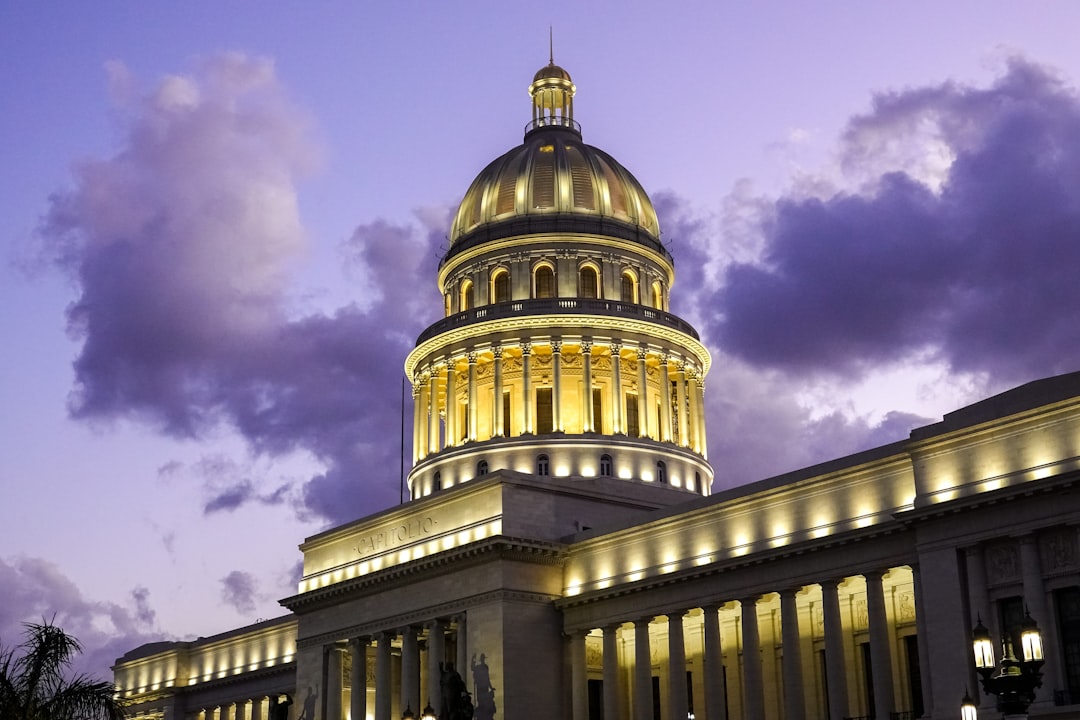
(596, 700)
(1011, 617)
(544, 421)
(911, 646)
(868, 678)
(597, 411)
(632, 427)
(657, 707)
(506, 414)
(690, 692)
(1068, 611)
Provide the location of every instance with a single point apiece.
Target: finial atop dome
(552, 92)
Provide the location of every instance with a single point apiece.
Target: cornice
(498, 547)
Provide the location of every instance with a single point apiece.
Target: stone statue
(485, 693)
(456, 701)
(279, 709)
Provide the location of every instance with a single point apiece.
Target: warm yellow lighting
(588, 471)
(624, 474)
(562, 471)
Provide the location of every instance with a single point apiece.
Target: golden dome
(551, 71)
(553, 173)
(554, 182)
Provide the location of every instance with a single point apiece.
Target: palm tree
(34, 682)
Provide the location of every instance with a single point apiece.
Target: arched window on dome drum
(448, 304)
(436, 482)
(588, 283)
(697, 483)
(468, 299)
(628, 288)
(543, 465)
(500, 287)
(544, 279)
(657, 296)
(661, 472)
(481, 468)
(605, 466)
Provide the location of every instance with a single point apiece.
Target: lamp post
(1013, 681)
(428, 712)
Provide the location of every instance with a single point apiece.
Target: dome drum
(565, 456)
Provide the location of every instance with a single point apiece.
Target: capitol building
(562, 549)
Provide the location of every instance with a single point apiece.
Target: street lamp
(408, 714)
(428, 713)
(968, 711)
(1012, 681)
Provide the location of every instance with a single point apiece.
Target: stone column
(556, 382)
(643, 709)
(242, 709)
(703, 442)
(526, 387)
(684, 430)
(921, 631)
(753, 687)
(880, 651)
(643, 394)
(500, 421)
(462, 647)
(470, 420)
(611, 672)
(692, 416)
(433, 409)
(1035, 600)
(616, 389)
(419, 420)
(358, 678)
(586, 359)
(410, 670)
(835, 666)
(335, 682)
(679, 703)
(436, 656)
(665, 399)
(715, 700)
(451, 438)
(383, 701)
(257, 712)
(794, 699)
(579, 676)
(979, 599)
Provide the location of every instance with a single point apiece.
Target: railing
(558, 306)
(553, 121)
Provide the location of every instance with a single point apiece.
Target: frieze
(862, 620)
(594, 653)
(1002, 564)
(395, 535)
(905, 605)
(1057, 549)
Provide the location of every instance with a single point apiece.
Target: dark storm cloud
(975, 268)
(181, 245)
(35, 589)
(239, 590)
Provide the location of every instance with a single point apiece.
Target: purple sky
(221, 225)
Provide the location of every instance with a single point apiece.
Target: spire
(551, 46)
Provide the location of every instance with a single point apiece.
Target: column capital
(676, 614)
(556, 346)
(526, 348)
(497, 351)
(586, 346)
(641, 353)
(472, 357)
(616, 347)
(874, 575)
(790, 591)
(359, 642)
(434, 622)
(751, 600)
(643, 622)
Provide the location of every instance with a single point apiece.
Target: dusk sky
(221, 224)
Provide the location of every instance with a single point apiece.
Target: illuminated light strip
(473, 532)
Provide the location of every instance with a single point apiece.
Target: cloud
(239, 590)
(36, 589)
(957, 244)
(180, 246)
